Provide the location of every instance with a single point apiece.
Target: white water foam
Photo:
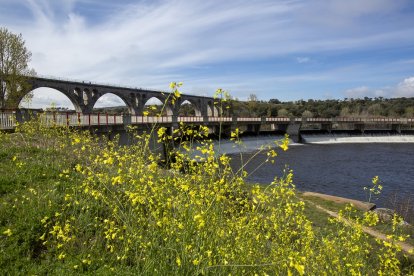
(344, 138)
(248, 144)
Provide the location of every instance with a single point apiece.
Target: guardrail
(150, 119)
(220, 119)
(249, 119)
(278, 119)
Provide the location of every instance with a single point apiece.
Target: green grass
(77, 206)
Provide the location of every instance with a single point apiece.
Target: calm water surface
(341, 169)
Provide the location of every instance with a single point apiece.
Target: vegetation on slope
(71, 204)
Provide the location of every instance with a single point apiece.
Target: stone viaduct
(84, 96)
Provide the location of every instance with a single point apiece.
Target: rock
(384, 214)
(404, 223)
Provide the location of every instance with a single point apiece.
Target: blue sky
(289, 50)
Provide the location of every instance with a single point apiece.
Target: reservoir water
(339, 169)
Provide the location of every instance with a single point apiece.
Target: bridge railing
(318, 119)
(249, 119)
(278, 119)
(187, 119)
(220, 119)
(150, 119)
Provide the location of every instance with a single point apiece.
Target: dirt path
(404, 246)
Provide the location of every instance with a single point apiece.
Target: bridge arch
(44, 96)
(188, 108)
(110, 99)
(212, 110)
(162, 106)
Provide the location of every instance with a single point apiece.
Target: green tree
(283, 113)
(307, 114)
(14, 70)
(409, 112)
(375, 109)
(252, 98)
(274, 101)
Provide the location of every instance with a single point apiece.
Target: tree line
(348, 107)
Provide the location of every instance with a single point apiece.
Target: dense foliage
(14, 59)
(366, 107)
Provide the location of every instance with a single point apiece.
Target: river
(341, 169)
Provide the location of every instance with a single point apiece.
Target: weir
(296, 128)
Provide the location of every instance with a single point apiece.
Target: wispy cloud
(302, 59)
(149, 43)
(179, 33)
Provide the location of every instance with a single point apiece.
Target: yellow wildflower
(8, 232)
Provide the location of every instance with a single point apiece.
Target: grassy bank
(71, 204)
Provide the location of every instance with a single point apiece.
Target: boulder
(385, 214)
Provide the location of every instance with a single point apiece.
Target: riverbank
(73, 204)
(332, 206)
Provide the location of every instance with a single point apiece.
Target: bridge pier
(360, 127)
(224, 130)
(396, 128)
(293, 130)
(326, 127)
(253, 128)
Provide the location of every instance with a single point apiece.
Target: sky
(275, 49)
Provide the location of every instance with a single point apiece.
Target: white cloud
(405, 88)
(364, 91)
(303, 59)
(109, 100)
(47, 97)
(402, 89)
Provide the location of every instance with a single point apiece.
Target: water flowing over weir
(341, 168)
(248, 144)
(348, 138)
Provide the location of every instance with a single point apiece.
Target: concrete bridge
(84, 96)
(254, 125)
